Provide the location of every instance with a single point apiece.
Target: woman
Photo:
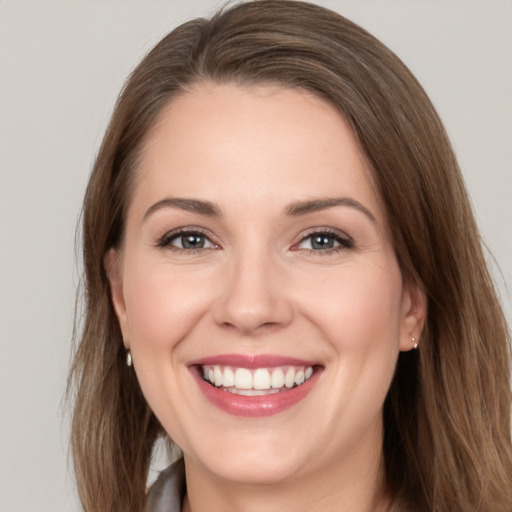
(283, 275)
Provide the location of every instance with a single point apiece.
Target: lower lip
(255, 406)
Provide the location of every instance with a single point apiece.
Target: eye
(324, 241)
(187, 241)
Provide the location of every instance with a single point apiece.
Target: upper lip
(252, 361)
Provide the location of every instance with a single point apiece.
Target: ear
(414, 315)
(112, 262)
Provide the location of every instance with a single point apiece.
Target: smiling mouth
(255, 385)
(257, 381)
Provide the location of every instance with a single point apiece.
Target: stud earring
(128, 358)
(413, 339)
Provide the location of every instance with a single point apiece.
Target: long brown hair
(447, 444)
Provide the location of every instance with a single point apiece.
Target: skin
(258, 287)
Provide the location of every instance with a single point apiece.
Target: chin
(251, 461)
(244, 471)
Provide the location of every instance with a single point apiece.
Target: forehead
(264, 144)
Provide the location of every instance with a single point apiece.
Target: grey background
(61, 67)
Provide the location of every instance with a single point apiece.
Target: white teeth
(252, 392)
(243, 379)
(217, 375)
(299, 377)
(229, 378)
(289, 379)
(277, 380)
(260, 381)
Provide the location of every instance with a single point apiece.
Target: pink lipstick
(254, 385)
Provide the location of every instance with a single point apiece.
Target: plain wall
(61, 67)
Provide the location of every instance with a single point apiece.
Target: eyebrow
(295, 209)
(299, 208)
(190, 205)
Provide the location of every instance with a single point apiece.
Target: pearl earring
(128, 358)
(413, 339)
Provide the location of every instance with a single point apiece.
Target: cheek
(161, 305)
(359, 310)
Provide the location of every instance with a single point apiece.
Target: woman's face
(257, 288)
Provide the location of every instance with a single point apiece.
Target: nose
(254, 297)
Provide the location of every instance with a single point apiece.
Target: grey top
(167, 493)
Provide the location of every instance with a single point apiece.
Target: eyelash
(165, 242)
(345, 242)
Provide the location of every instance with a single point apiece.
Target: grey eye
(320, 241)
(190, 241)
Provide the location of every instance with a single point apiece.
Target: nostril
(247, 328)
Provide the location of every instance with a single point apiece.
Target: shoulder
(166, 494)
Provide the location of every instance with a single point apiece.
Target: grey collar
(167, 493)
